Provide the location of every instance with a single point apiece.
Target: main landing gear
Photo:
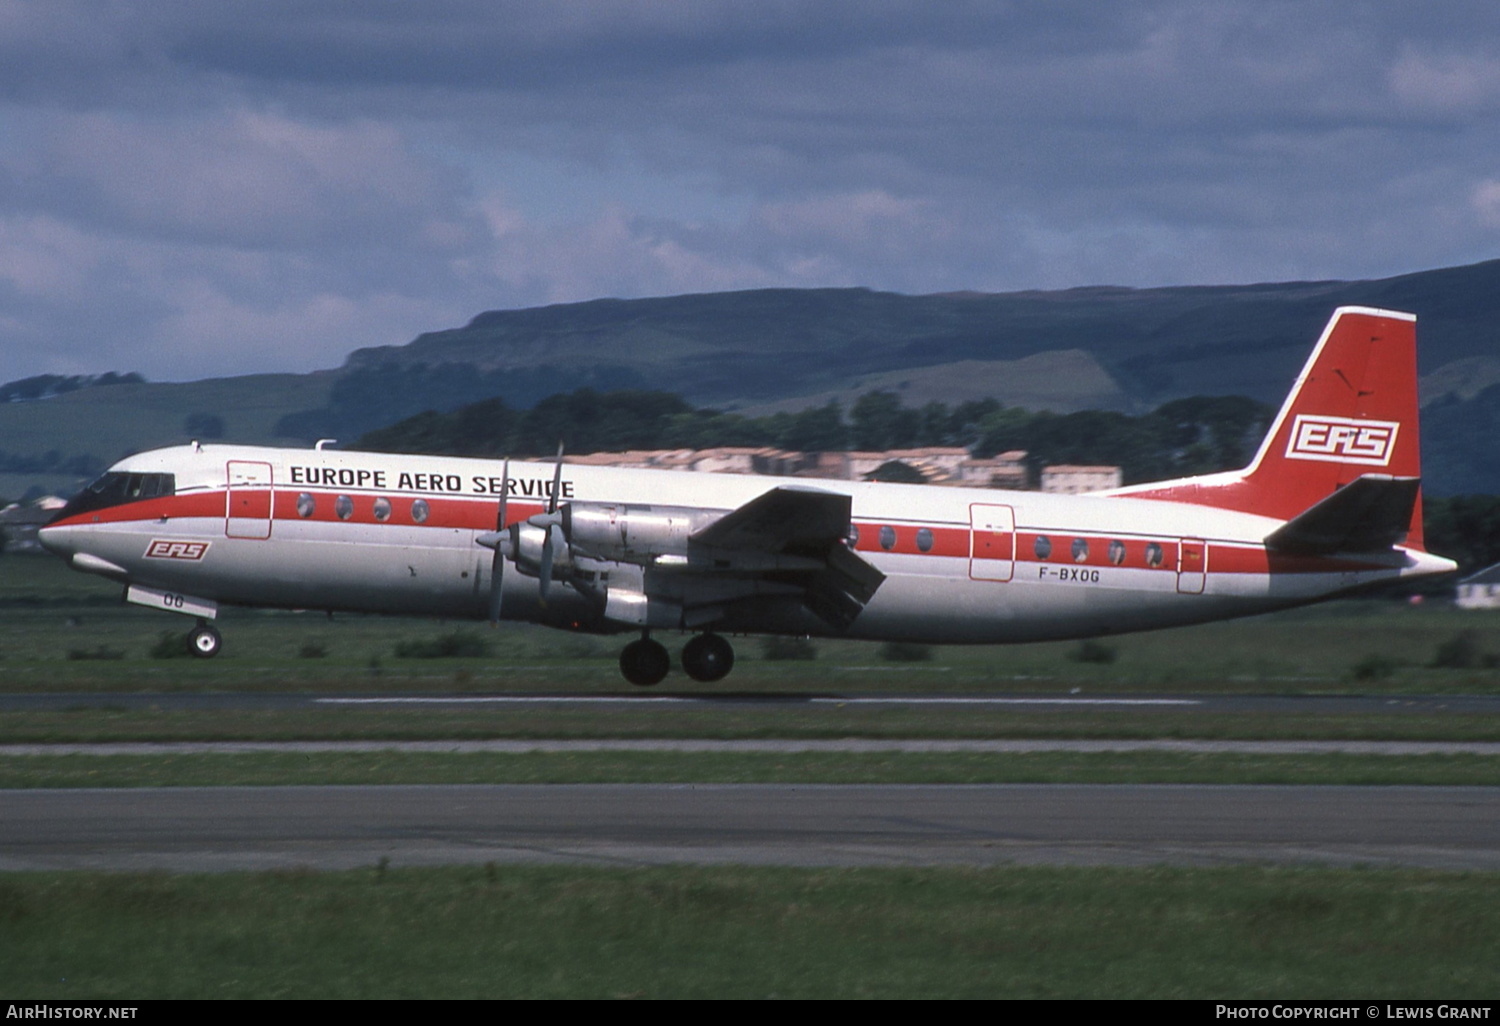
(706, 658)
(645, 662)
(203, 641)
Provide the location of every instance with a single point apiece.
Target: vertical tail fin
(1351, 413)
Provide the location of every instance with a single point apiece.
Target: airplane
(1330, 505)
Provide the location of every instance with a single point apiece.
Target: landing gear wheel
(708, 658)
(645, 662)
(204, 642)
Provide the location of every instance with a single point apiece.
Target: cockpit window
(116, 488)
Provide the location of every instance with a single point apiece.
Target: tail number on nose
(175, 601)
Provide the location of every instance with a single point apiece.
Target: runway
(983, 746)
(624, 703)
(211, 829)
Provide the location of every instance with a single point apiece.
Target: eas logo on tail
(1342, 440)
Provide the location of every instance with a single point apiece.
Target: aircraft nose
(55, 540)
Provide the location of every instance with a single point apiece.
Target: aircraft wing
(781, 521)
(796, 536)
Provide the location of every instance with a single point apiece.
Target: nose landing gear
(203, 641)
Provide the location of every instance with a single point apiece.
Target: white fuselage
(386, 533)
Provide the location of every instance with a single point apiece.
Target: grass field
(65, 631)
(534, 931)
(723, 932)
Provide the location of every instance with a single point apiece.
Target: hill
(758, 351)
(773, 344)
(88, 429)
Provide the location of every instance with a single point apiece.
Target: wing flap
(803, 522)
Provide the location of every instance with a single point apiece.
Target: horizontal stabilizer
(1370, 514)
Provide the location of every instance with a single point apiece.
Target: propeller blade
(497, 565)
(556, 481)
(548, 549)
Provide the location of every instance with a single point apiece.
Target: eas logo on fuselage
(163, 548)
(1342, 440)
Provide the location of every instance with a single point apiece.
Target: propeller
(556, 482)
(497, 565)
(553, 525)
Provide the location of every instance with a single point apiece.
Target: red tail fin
(1353, 411)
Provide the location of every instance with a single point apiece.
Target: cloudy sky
(191, 189)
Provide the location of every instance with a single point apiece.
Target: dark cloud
(177, 178)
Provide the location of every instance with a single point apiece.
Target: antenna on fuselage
(318, 445)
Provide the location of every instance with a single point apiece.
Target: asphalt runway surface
(993, 746)
(214, 829)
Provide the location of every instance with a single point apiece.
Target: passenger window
(344, 507)
(419, 511)
(888, 538)
(853, 535)
(1117, 552)
(306, 504)
(382, 509)
(924, 539)
(1080, 550)
(1153, 554)
(1042, 547)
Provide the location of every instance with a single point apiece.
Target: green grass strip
(735, 932)
(89, 724)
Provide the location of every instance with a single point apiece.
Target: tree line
(1186, 436)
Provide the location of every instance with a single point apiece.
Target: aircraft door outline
(1192, 566)
(248, 499)
(992, 542)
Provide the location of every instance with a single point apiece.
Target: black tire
(645, 662)
(204, 642)
(707, 658)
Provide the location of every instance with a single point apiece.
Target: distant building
(635, 459)
(1481, 590)
(827, 465)
(939, 464)
(942, 465)
(20, 522)
(1066, 479)
(746, 460)
(935, 464)
(1006, 470)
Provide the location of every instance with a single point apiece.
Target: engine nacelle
(525, 547)
(633, 534)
